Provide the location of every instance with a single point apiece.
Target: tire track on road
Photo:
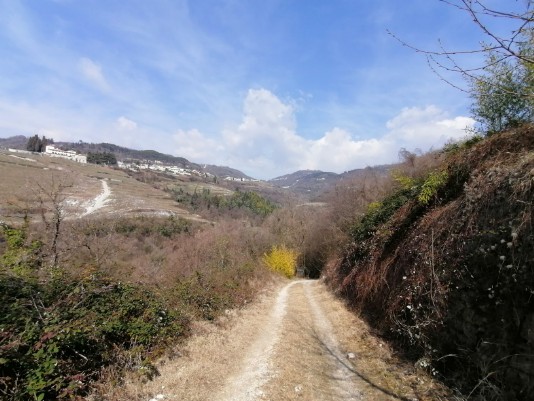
(256, 366)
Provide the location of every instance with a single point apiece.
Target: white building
(66, 154)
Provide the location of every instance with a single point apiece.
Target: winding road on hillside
(99, 201)
(297, 342)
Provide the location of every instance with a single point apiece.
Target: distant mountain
(224, 172)
(383, 169)
(311, 183)
(14, 142)
(306, 182)
(124, 154)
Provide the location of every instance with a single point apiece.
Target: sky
(265, 86)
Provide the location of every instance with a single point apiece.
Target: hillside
(24, 176)
(306, 182)
(123, 153)
(15, 142)
(313, 183)
(224, 172)
(127, 154)
(444, 266)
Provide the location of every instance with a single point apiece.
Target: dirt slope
(295, 343)
(89, 189)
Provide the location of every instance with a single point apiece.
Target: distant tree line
(102, 158)
(36, 144)
(204, 199)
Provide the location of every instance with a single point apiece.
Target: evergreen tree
(102, 158)
(36, 144)
(32, 144)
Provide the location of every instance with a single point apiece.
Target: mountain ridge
(308, 183)
(124, 154)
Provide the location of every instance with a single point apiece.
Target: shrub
(21, 256)
(434, 182)
(378, 213)
(249, 201)
(56, 336)
(282, 260)
(252, 201)
(403, 180)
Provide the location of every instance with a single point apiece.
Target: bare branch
(501, 44)
(500, 51)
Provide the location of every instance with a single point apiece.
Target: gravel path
(99, 201)
(256, 368)
(297, 342)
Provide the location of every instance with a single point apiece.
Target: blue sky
(265, 86)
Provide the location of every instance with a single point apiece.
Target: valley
(148, 285)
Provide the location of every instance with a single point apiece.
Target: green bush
(243, 200)
(166, 227)
(21, 257)
(380, 212)
(201, 297)
(433, 183)
(55, 337)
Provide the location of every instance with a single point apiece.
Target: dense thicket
(121, 292)
(204, 200)
(102, 158)
(444, 266)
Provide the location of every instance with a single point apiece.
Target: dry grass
(204, 366)
(375, 362)
(196, 369)
(128, 196)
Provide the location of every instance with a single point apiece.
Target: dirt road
(295, 343)
(99, 201)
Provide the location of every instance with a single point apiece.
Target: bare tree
(50, 195)
(504, 49)
(502, 85)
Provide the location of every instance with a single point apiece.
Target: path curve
(99, 201)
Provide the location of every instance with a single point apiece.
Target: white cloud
(196, 146)
(124, 123)
(93, 72)
(425, 128)
(267, 122)
(266, 143)
(338, 151)
(458, 123)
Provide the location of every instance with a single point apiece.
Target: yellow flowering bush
(282, 260)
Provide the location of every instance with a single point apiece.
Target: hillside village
(156, 165)
(131, 164)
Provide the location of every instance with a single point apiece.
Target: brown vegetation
(449, 275)
(115, 291)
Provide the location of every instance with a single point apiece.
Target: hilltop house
(66, 154)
